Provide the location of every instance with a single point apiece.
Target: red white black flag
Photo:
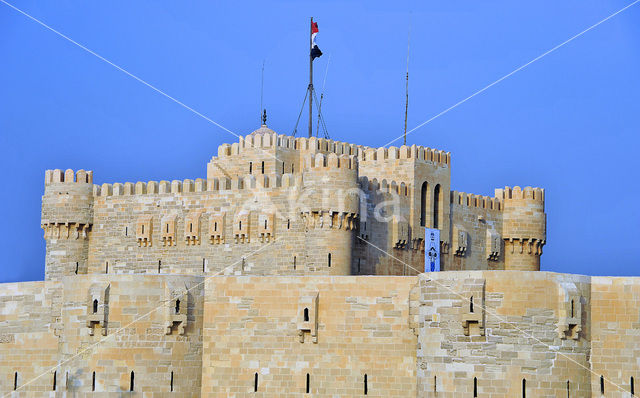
(315, 51)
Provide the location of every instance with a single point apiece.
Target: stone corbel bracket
(308, 316)
(98, 307)
(473, 311)
(177, 303)
(570, 312)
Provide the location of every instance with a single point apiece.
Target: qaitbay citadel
(297, 268)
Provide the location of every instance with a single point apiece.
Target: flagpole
(310, 79)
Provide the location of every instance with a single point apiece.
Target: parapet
(517, 193)
(476, 201)
(419, 153)
(68, 176)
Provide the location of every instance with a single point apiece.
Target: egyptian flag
(315, 51)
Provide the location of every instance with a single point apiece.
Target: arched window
(423, 205)
(436, 206)
(308, 382)
(178, 306)
(255, 383)
(524, 388)
(132, 381)
(306, 315)
(95, 306)
(366, 387)
(475, 387)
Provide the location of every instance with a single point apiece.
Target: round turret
(524, 227)
(67, 216)
(329, 204)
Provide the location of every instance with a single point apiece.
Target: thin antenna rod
(324, 82)
(262, 92)
(406, 106)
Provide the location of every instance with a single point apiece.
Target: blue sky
(568, 122)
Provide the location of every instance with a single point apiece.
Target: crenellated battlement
(198, 185)
(331, 161)
(476, 201)
(419, 153)
(68, 176)
(517, 193)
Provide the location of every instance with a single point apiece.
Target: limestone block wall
(476, 225)
(615, 320)
(534, 334)
(29, 324)
(356, 326)
(138, 330)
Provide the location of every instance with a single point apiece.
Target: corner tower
(67, 216)
(524, 227)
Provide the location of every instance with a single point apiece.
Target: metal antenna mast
(310, 79)
(406, 106)
(262, 118)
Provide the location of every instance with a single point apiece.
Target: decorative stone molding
(242, 227)
(66, 231)
(460, 241)
(169, 230)
(192, 229)
(473, 314)
(266, 227)
(399, 233)
(216, 229)
(570, 312)
(494, 245)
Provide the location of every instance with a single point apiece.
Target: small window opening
(77, 266)
(308, 382)
(240, 225)
(55, 374)
(171, 380)
(282, 167)
(215, 226)
(159, 265)
(106, 267)
(524, 388)
(132, 381)
(568, 388)
(306, 315)
(255, 383)
(366, 386)
(601, 384)
(126, 231)
(178, 306)
(262, 167)
(294, 262)
(167, 225)
(190, 227)
(93, 381)
(15, 381)
(632, 387)
(250, 167)
(471, 304)
(288, 223)
(95, 306)
(142, 228)
(365, 225)
(66, 380)
(204, 265)
(291, 168)
(265, 224)
(435, 384)
(329, 260)
(475, 387)
(571, 308)
(358, 265)
(436, 206)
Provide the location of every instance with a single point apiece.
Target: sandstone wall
(253, 325)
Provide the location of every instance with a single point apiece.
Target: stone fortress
(295, 268)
